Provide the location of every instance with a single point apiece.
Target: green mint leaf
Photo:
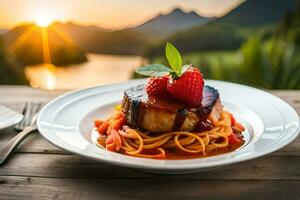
(174, 58)
(156, 70)
(184, 68)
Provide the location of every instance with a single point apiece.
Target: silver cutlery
(27, 125)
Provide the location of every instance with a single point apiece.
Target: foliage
(209, 62)
(11, 73)
(271, 64)
(274, 64)
(289, 27)
(270, 59)
(66, 55)
(209, 37)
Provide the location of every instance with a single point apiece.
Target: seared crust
(166, 114)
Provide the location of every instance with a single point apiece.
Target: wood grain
(157, 188)
(72, 166)
(39, 170)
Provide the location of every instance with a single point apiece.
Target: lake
(98, 70)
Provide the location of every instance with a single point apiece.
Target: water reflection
(42, 76)
(99, 70)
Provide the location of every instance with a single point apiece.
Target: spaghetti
(116, 135)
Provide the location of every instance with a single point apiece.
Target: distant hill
(230, 31)
(11, 72)
(72, 40)
(186, 29)
(209, 37)
(176, 20)
(25, 42)
(258, 12)
(134, 40)
(98, 40)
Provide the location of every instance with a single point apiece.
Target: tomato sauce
(177, 154)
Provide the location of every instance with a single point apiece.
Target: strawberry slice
(157, 86)
(188, 87)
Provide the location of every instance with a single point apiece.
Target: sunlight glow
(45, 46)
(20, 40)
(42, 77)
(43, 21)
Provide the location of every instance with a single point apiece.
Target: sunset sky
(105, 13)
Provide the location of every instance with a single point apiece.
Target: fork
(27, 125)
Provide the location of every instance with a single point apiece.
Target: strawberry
(188, 87)
(185, 82)
(157, 86)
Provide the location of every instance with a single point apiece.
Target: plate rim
(295, 134)
(18, 117)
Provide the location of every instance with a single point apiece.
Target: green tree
(274, 64)
(10, 72)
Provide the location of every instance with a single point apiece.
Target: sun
(43, 20)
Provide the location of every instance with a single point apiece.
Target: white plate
(8, 117)
(67, 122)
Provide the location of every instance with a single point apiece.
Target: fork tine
(37, 109)
(33, 111)
(27, 115)
(27, 126)
(30, 110)
(25, 110)
(31, 114)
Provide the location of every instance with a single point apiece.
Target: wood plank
(291, 97)
(21, 94)
(34, 143)
(162, 188)
(71, 166)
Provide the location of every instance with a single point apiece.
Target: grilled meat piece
(157, 114)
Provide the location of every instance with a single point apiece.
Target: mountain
(97, 40)
(32, 45)
(188, 30)
(230, 31)
(258, 12)
(176, 20)
(208, 37)
(68, 41)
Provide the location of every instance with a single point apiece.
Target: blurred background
(54, 44)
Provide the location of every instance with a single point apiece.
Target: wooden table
(38, 170)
